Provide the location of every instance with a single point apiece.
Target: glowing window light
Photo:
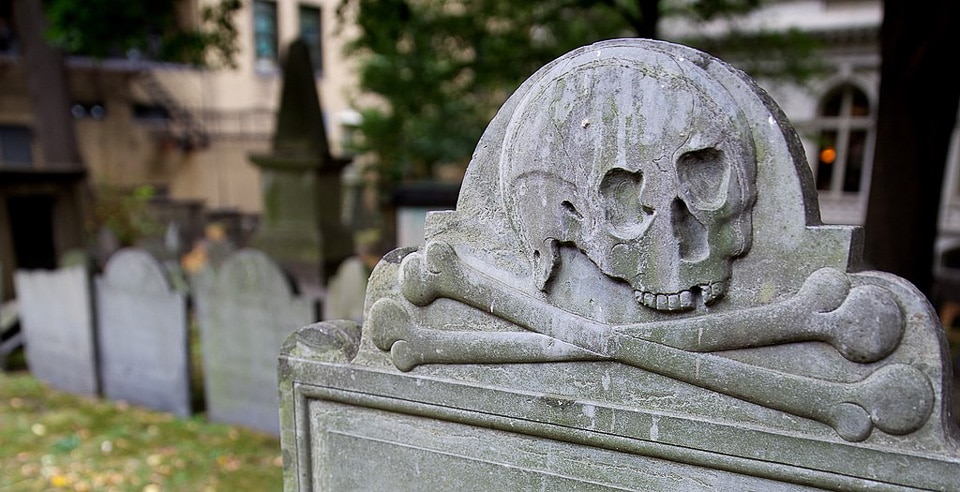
(828, 155)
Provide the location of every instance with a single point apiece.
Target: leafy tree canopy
(155, 29)
(443, 68)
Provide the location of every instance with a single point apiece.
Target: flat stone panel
(249, 309)
(56, 317)
(348, 435)
(144, 337)
(635, 291)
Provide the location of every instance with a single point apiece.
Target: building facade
(835, 114)
(185, 131)
(189, 132)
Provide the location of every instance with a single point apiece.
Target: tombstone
(300, 226)
(56, 319)
(200, 263)
(143, 337)
(635, 292)
(344, 298)
(248, 311)
(10, 337)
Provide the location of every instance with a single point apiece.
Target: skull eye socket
(620, 192)
(704, 175)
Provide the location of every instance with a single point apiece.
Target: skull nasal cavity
(690, 233)
(704, 175)
(570, 209)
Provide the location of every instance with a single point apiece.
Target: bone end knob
(902, 398)
(850, 421)
(825, 290)
(388, 322)
(868, 326)
(415, 285)
(404, 357)
(896, 398)
(422, 275)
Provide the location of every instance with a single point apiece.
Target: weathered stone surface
(143, 335)
(248, 311)
(56, 317)
(634, 292)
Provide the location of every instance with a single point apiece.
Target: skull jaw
(676, 285)
(693, 284)
(684, 300)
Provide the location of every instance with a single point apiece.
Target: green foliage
(713, 9)
(443, 68)
(124, 212)
(157, 29)
(772, 56)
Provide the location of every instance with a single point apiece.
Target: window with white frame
(844, 137)
(311, 33)
(265, 38)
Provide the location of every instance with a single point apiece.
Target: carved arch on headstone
(137, 268)
(793, 325)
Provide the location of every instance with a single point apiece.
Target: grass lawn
(51, 440)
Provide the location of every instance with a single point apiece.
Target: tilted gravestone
(635, 292)
(143, 335)
(56, 318)
(249, 309)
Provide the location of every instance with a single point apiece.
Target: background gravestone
(144, 340)
(635, 292)
(249, 309)
(202, 263)
(301, 225)
(56, 318)
(10, 337)
(344, 298)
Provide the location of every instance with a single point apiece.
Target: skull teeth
(683, 300)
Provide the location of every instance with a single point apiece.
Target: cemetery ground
(53, 440)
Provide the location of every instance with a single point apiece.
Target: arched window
(845, 125)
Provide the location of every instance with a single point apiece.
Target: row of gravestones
(125, 334)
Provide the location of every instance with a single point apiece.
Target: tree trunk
(917, 112)
(49, 94)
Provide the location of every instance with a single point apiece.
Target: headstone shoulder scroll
(637, 241)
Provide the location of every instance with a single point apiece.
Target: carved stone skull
(655, 184)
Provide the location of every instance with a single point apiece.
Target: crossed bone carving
(896, 398)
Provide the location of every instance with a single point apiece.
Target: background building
(188, 132)
(835, 114)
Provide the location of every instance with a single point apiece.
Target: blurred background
(189, 129)
(133, 123)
